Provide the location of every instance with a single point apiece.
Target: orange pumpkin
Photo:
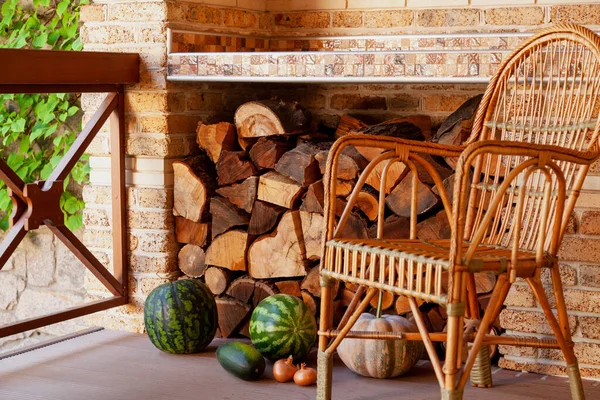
(381, 358)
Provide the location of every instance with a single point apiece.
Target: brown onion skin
(305, 376)
(284, 370)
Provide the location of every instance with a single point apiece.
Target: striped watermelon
(181, 316)
(282, 325)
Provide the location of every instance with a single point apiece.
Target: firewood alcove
(249, 205)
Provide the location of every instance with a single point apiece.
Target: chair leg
(561, 332)
(455, 325)
(325, 360)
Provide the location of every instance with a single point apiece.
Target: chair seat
(413, 267)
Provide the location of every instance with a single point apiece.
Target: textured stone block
(444, 102)
(107, 34)
(138, 219)
(154, 198)
(514, 16)
(155, 33)
(93, 13)
(357, 102)
(519, 351)
(529, 321)
(589, 275)
(404, 102)
(590, 327)
(158, 146)
(582, 300)
(10, 287)
(590, 223)
(146, 284)
(520, 296)
(584, 14)
(97, 238)
(138, 11)
(240, 19)
(347, 19)
(96, 217)
(388, 18)
(302, 20)
(448, 17)
(156, 242)
(568, 275)
(205, 15)
(39, 256)
(154, 263)
(146, 101)
(579, 249)
(208, 101)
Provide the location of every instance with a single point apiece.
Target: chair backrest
(547, 92)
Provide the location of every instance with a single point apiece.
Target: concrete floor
(109, 365)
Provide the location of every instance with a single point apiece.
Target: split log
(368, 203)
(191, 260)
(399, 201)
(270, 117)
(456, 129)
(312, 285)
(436, 227)
(395, 173)
(242, 289)
(399, 128)
(277, 189)
(217, 279)
(394, 227)
(314, 200)
(191, 232)
(264, 218)
(312, 230)
(403, 306)
(244, 330)
(216, 138)
(282, 253)
(310, 302)
(442, 169)
(346, 296)
(436, 322)
(355, 228)
(193, 186)
(300, 165)
(484, 282)
(344, 188)
(347, 168)
(229, 250)
(262, 290)
(234, 166)
(242, 194)
(231, 313)
(267, 151)
(387, 301)
(225, 216)
(348, 125)
(289, 287)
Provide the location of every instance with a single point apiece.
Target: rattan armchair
(517, 180)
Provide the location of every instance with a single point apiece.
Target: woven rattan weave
(517, 180)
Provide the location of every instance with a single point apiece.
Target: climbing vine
(36, 130)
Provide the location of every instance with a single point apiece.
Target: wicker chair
(517, 180)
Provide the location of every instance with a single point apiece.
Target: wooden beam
(41, 67)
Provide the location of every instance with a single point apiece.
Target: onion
(284, 370)
(305, 376)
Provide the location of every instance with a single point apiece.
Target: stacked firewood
(249, 207)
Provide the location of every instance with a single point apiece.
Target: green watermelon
(241, 360)
(282, 325)
(181, 316)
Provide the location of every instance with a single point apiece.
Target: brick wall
(161, 120)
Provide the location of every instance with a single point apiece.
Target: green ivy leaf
(71, 205)
(18, 125)
(74, 222)
(62, 7)
(40, 40)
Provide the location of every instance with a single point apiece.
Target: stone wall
(41, 277)
(162, 116)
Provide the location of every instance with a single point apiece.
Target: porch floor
(108, 365)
